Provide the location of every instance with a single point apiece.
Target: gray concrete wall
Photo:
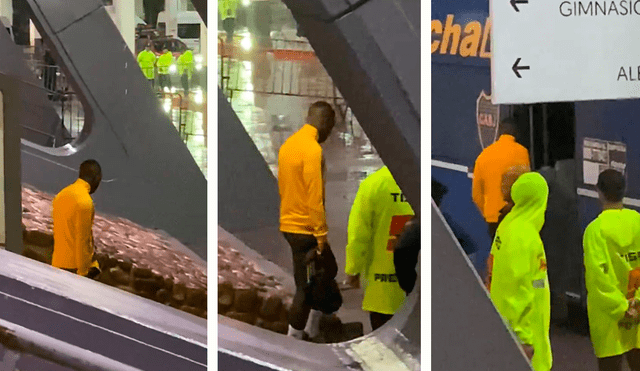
(466, 330)
(39, 122)
(248, 198)
(12, 207)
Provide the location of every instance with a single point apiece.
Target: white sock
(313, 323)
(298, 334)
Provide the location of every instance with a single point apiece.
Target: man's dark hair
(321, 113)
(612, 185)
(89, 170)
(508, 126)
(438, 190)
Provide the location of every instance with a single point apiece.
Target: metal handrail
(18, 339)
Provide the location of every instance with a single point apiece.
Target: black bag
(322, 291)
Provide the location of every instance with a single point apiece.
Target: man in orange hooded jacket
(490, 167)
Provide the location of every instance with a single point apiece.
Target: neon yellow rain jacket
(517, 268)
(227, 8)
(377, 217)
(164, 62)
(185, 63)
(612, 274)
(147, 61)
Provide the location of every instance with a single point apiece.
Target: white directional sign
(554, 50)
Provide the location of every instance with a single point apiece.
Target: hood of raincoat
(620, 226)
(529, 194)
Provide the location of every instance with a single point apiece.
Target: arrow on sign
(514, 2)
(516, 68)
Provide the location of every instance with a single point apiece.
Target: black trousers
(164, 80)
(378, 319)
(184, 79)
(229, 25)
(300, 244)
(615, 363)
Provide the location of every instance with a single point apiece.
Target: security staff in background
(227, 9)
(73, 214)
(517, 270)
(185, 69)
(612, 275)
(302, 208)
(492, 163)
(147, 62)
(164, 64)
(377, 218)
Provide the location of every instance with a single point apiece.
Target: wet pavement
(571, 345)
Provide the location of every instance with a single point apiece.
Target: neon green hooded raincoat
(517, 268)
(612, 274)
(377, 217)
(185, 63)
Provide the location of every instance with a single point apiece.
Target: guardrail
(286, 68)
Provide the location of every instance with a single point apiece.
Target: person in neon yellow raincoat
(185, 69)
(164, 63)
(228, 9)
(612, 275)
(147, 62)
(377, 217)
(517, 268)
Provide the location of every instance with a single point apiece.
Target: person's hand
(528, 350)
(93, 273)
(354, 281)
(634, 305)
(322, 243)
(631, 316)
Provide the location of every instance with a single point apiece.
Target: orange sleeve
(478, 186)
(312, 174)
(84, 240)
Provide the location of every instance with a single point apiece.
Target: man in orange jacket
(73, 214)
(302, 211)
(490, 167)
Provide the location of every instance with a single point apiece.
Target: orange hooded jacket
(489, 169)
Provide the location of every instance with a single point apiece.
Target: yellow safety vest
(185, 63)
(164, 62)
(227, 8)
(147, 61)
